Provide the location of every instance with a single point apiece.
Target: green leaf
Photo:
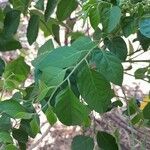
(20, 135)
(23, 115)
(81, 142)
(140, 73)
(75, 35)
(118, 46)
(45, 105)
(5, 123)
(7, 9)
(108, 65)
(44, 92)
(83, 44)
(52, 76)
(131, 48)
(9, 44)
(33, 28)
(2, 16)
(137, 118)
(97, 92)
(14, 109)
(136, 1)
(15, 73)
(144, 26)
(31, 92)
(35, 125)
(129, 25)
(40, 5)
(46, 47)
(10, 147)
(22, 146)
(113, 17)
(11, 23)
(65, 56)
(106, 141)
(46, 27)
(38, 13)
(5, 137)
(146, 111)
(69, 110)
(68, 5)
(51, 117)
(2, 66)
(51, 4)
(133, 107)
(18, 96)
(95, 16)
(73, 82)
(97, 34)
(20, 5)
(117, 103)
(144, 41)
(25, 126)
(27, 4)
(55, 32)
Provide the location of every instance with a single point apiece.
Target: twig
(134, 76)
(123, 124)
(135, 52)
(137, 55)
(129, 120)
(133, 61)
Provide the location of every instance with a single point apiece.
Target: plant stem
(134, 76)
(135, 52)
(133, 61)
(129, 119)
(137, 55)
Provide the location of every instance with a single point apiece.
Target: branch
(129, 121)
(134, 52)
(123, 124)
(134, 77)
(137, 55)
(133, 61)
